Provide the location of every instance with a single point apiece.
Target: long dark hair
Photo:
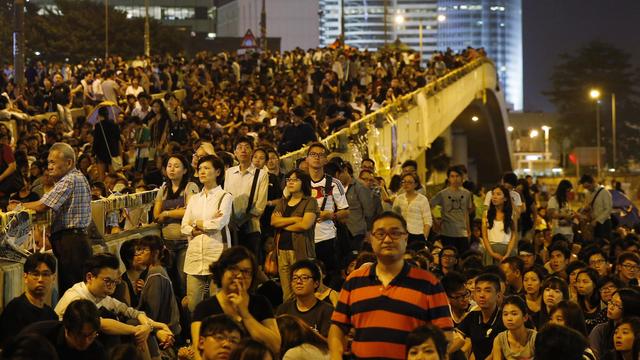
(185, 178)
(594, 299)
(561, 192)
(506, 208)
(295, 332)
(572, 315)
(634, 322)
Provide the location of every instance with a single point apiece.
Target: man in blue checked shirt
(70, 201)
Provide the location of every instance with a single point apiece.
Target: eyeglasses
(608, 288)
(466, 295)
(611, 304)
(630, 267)
(290, 179)
(44, 274)
(141, 251)
(316, 155)
(219, 337)
(407, 182)
(110, 282)
(301, 278)
(235, 270)
(597, 262)
(92, 335)
(393, 234)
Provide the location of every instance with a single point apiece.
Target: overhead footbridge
(466, 107)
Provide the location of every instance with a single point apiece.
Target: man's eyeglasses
(219, 337)
(44, 274)
(235, 270)
(466, 295)
(316, 155)
(597, 262)
(302, 278)
(110, 282)
(630, 267)
(290, 179)
(393, 234)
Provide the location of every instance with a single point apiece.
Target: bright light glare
(442, 18)
(510, 129)
(533, 133)
(594, 94)
(475, 118)
(399, 19)
(546, 128)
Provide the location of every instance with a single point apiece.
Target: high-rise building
(197, 16)
(365, 26)
(295, 22)
(495, 25)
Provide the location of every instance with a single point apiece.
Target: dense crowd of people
(323, 261)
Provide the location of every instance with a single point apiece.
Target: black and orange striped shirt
(384, 316)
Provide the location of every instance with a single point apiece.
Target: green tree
(601, 66)
(76, 31)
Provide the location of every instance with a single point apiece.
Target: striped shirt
(384, 316)
(70, 200)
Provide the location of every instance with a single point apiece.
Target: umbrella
(112, 108)
(623, 209)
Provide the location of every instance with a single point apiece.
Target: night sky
(551, 27)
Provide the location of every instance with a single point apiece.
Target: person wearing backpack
(333, 206)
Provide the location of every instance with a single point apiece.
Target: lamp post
(398, 20)
(595, 94)
(147, 31)
(106, 29)
(546, 129)
(613, 128)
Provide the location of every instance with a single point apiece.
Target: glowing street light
(510, 129)
(442, 18)
(533, 133)
(399, 19)
(594, 94)
(475, 118)
(546, 129)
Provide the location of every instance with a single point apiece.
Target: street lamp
(533, 133)
(475, 118)
(595, 95)
(399, 19)
(510, 128)
(546, 129)
(442, 18)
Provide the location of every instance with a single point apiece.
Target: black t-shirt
(286, 241)
(259, 308)
(54, 332)
(481, 334)
(111, 147)
(60, 95)
(336, 109)
(20, 313)
(318, 317)
(295, 137)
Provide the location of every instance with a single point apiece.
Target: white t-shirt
(337, 200)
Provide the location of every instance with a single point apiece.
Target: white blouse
(206, 248)
(417, 213)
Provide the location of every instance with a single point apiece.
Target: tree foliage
(76, 31)
(601, 66)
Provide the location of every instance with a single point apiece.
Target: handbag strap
(593, 200)
(327, 189)
(225, 239)
(252, 193)
(104, 136)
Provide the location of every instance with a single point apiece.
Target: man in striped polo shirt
(385, 301)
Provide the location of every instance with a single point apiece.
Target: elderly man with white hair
(70, 201)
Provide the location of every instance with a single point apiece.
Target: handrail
(439, 83)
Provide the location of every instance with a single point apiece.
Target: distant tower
(495, 25)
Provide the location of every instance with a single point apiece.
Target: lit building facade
(495, 25)
(198, 16)
(364, 23)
